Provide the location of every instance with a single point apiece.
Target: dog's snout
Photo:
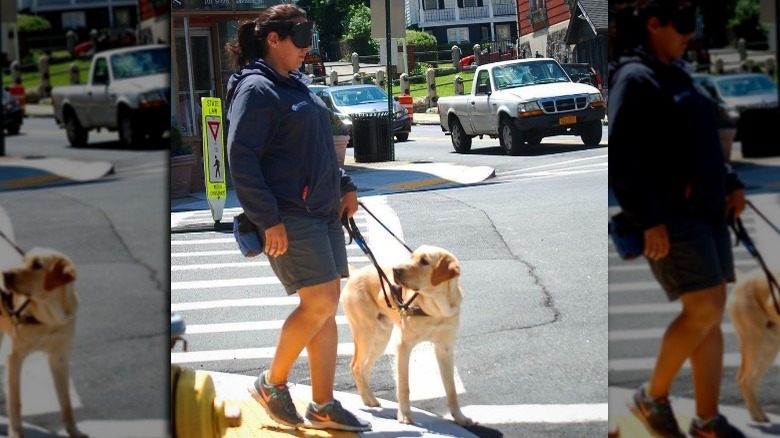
(398, 271)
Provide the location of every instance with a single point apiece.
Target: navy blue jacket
(665, 158)
(280, 147)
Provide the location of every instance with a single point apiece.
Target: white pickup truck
(128, 90)
(522, 101)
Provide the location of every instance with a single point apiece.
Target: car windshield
(528, 73)
(358, 96)
(746, 86)
(141, 63)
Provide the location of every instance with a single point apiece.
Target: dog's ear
(60, 274)
(446, 268)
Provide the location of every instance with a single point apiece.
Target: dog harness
(396, 291)
(7, 297)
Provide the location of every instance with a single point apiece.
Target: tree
(745, 22)
(359, 30)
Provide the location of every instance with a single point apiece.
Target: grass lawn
(59, 74)
(444, 86)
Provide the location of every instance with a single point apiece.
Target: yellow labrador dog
(432, 273)
(47, 322)
(757, 326)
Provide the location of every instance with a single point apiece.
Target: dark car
(345, 100)
(584, 73)
(13, 114)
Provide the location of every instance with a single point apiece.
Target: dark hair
(628, 18)
(249, 42)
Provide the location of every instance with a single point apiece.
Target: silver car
(345, 100)
(740, 91)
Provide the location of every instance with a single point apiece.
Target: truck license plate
(567, 120)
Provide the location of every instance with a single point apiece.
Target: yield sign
(214, 128)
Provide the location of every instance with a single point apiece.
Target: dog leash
(404, 308)
(742, 235)
(385, 227)
(773, 226)
(6, 297)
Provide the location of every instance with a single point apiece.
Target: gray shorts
(316, 253)
(700, 257)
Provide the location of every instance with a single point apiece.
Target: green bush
(32, 23)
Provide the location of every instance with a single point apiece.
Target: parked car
(520, 102)
(128, 90)
(13, 114)
(115, 38)
(345, 100)
(740, 91)
(316, 88)
(584, 73)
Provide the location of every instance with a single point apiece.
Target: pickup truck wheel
(128, 131)
(77, 135)
(509, 137)
(402, 137)
(460, 141)
(591, 133)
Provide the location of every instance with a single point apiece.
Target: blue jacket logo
(299, 105)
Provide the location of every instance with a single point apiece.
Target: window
(430, 4)
(470, 3)
(458, 35)
(74, 19)
(537, 4)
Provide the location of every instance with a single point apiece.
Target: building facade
(464, 21)
(567, 30)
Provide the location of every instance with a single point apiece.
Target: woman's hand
(275, 240)
(735, 203)
(349, 204)
(656, 242)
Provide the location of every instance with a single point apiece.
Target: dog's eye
(37, 265)
(424, 261)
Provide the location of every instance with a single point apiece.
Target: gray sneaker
(276, 400)
(334, 416)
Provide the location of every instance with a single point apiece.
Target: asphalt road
(531, 354)
(113, 230)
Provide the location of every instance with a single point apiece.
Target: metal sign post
(213, 155)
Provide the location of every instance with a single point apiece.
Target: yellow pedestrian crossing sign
(214, 155)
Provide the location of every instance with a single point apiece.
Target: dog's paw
(405, 418)
(759, 417)
(371, 401)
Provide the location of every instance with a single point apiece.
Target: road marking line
(639, 309)
(517, 414)
(634, 286)
(558, 163)
(343, 349)
(245, 326)
(245, 264)
(246, 302)
(730, 360)
(225, 282)
(654, 333)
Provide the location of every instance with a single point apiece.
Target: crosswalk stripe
(247, 302)
(652, 333)
(343, 349)
(223, 282)
(730, 360)
(638, 309)
(229, 327)
(247, 264)
(516, 414)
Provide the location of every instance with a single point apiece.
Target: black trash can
(754, 132)
(371, 139)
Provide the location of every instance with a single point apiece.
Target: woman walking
(287, 179)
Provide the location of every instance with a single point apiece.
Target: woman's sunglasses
(300, 33)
